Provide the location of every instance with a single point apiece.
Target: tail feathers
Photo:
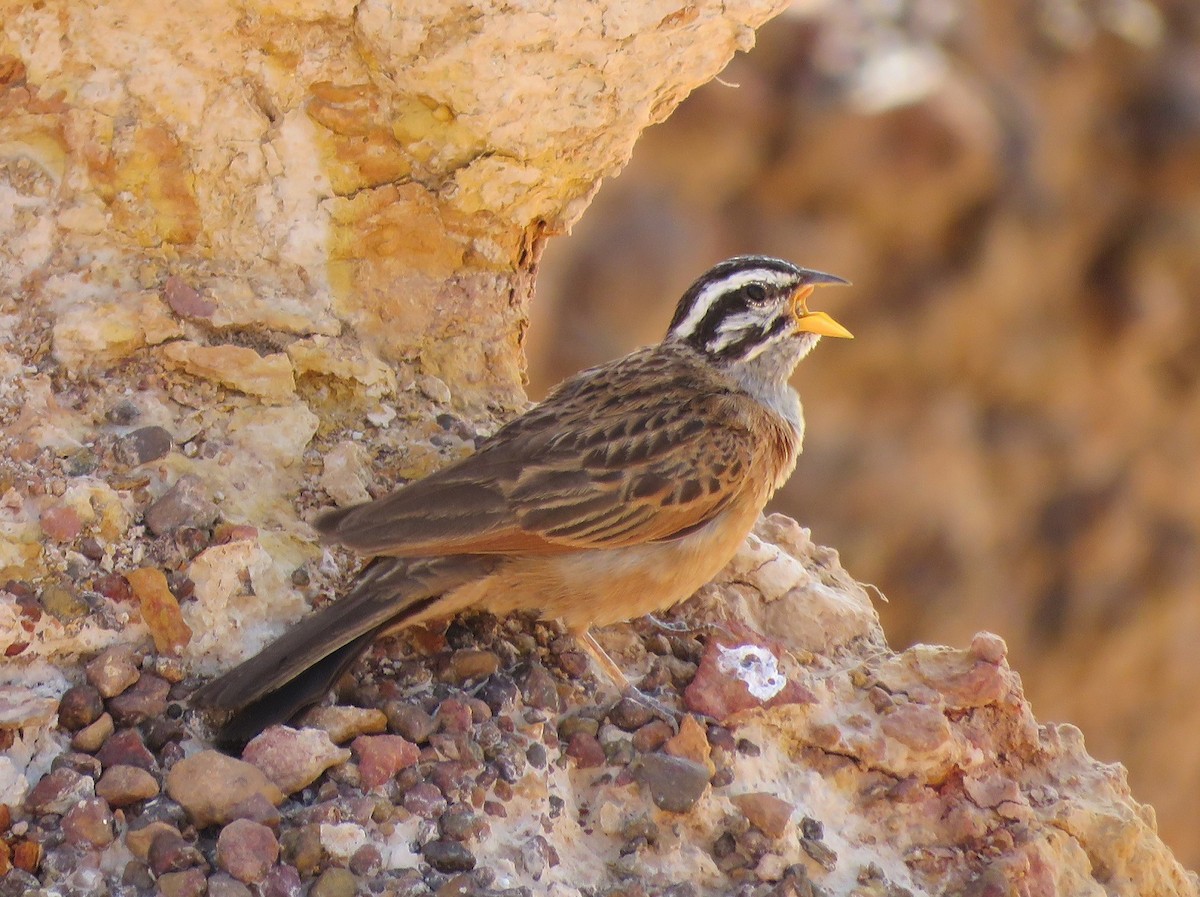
(302, 690)
(299, 667)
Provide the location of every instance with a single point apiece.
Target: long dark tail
(297, 669)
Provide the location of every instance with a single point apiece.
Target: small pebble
(113, 586)
(766, 811)
(222, 884)
(366, 861)
(185, 300)
(334, 882)
(62, 603)
(91, 737)
(472, 665)
(160, 609)
(89, 822)
(184, 504)
(172, 669)
(113, 670)
(61, 523)
(409, 721)
(123, 413)
(574, 663)
(302, 848)
(80, 705)
(748, 748)
(821, 854)
(247, 850)
(214, 788)
(293, 758)
(125, 785)
(126, 748)
(142, 446)
(690, 742)
(585, 750)
(141, 838)
(145, 699)
(344, 723)
(652, 736)
(169, 852)
(675, 784)
(282, 881)
(460, 824)
(453, 716)
(989, 647)
(380, 757)
(161, 730)
(572, 725)
(630, 715)
(540, 690)
(536, 755)
(499, 693)
(81, 763)
(189, 883)
(224, 533)
(448, 856)
(425, 800)
(58, 791)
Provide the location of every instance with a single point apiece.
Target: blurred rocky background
(1011, 443)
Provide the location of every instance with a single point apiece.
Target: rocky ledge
(807, 758)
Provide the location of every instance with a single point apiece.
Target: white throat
(765, 377)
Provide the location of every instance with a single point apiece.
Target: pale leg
(618, 678)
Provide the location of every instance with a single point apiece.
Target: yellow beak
(815, 321)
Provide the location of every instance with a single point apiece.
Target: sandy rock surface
(921, 772)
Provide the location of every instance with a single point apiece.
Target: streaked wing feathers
(613, 458)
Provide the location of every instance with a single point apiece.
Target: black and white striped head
(751, 306)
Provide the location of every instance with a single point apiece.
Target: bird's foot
(670, 715)
(678, 627)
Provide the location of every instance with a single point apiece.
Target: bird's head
(754, 310)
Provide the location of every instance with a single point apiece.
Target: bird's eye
(755, 293)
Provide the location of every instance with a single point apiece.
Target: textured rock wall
(1011, 441)
(384, 169)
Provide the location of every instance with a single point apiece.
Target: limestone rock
(89, 335)
(269, 376)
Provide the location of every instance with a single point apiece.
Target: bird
(624, 491)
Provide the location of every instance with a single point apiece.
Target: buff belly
(596, 588)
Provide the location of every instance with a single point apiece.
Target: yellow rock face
(269, 377)
(90, 335)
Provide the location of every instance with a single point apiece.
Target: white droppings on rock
(755, 666)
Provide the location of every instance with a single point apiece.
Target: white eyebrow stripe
(728, 284)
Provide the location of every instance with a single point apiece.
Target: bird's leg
(626, 688)
(603, 661)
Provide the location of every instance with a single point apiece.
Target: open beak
(816, 321)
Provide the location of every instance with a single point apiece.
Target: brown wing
(644, 449)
